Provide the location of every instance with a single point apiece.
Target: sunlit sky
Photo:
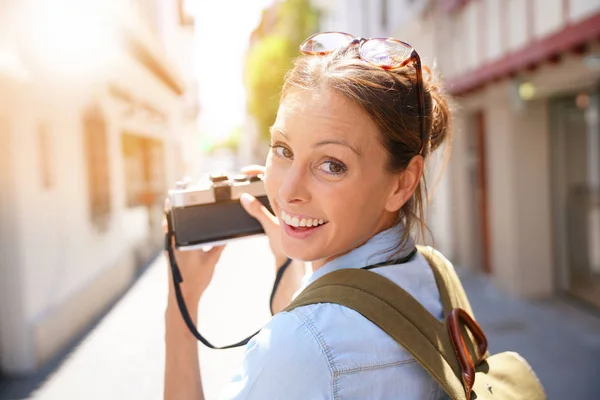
(224, 29)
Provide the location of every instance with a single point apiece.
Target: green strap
(397, 313)
(452, 293)
(451, 290)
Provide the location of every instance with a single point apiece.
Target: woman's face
(326, 177)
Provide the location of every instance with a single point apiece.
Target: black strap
(178, 279)
(394, 261)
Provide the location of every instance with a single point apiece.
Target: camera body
(213, 214)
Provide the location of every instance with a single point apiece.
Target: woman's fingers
(253, 170)
(256, 209)
(213, 255)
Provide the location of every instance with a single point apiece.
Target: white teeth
(297, 222)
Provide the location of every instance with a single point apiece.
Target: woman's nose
(295, 186)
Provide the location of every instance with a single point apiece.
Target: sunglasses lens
(324, 43)
(385, 52)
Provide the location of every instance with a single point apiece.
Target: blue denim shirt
(327, 351)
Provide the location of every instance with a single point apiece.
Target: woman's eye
(283, 151)
(333, 168)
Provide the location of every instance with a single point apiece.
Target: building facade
(94, 108)
(520, 197)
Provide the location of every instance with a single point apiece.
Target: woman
(345, 179)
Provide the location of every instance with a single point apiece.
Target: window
(96, 152)
(144, 170)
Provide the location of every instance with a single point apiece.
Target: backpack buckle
(458, 318)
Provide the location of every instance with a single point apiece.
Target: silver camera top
(220, 187)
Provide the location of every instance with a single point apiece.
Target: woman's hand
(196, 267)
(269, 222)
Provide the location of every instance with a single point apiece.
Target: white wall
(13, 346)
(517, 17)
(471, 26)
(581, 9)
(56, 252)
(502, 198)
(534, 211)
(519, 195)
(462, 218)
(548, 17)
(461, 32)
(493, 33)
(363, 18)
(440, 209)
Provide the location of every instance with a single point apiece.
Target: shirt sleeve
(284, 361)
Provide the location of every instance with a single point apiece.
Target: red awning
(536, 52)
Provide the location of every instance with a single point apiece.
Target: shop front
(575, 134)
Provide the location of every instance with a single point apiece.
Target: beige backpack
(454, 351)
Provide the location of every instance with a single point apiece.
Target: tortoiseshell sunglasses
(386, 53)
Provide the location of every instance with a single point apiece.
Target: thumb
(256, 209)
(214, 254)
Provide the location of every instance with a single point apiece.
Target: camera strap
(178, 279)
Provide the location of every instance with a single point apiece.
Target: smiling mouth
(301, 224)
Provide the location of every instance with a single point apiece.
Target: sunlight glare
(73, 37)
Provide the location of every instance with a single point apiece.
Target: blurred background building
(97, 102)
(520, 199)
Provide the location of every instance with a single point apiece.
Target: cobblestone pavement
(122, 356)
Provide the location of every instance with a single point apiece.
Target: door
(477, 170)
(576, 177)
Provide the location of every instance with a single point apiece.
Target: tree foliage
(231, 142)
(272, 55)
(267, 63)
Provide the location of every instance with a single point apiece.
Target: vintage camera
(211, 214)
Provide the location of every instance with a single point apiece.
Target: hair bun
(441, 121)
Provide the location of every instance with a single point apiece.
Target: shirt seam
(326, 351)
(373, 367)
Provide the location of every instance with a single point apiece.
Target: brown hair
(390, 98)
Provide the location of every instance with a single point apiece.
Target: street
(122, 357)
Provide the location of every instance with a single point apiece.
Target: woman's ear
(405, 184)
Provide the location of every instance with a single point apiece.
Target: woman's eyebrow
(321, 143)
(272, 130)
(338, 142)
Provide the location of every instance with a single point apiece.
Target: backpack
(454, 352)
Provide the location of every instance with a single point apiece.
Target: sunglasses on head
(386, 53)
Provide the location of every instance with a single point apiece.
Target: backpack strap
(397, 313)
(452, 292)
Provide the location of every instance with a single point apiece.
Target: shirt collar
(376, 250)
